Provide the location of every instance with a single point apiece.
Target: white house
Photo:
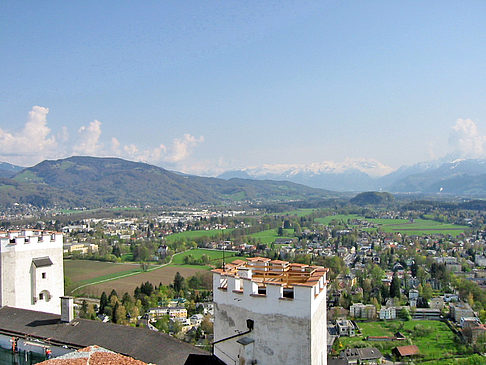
(388, 313)
(31, 270)
(286, 306)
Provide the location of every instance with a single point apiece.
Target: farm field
(433, 338)
(417, 227)
(271, 235)
(84, 271)
(191, 235)
(128, 284)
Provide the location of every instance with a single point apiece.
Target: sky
(208, 86)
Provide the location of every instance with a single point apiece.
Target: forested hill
(94, 182)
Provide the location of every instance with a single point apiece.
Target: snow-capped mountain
(349, 175)
(447, 175)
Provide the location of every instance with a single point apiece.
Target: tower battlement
(16, 239)
(31, 270)
(287, 303)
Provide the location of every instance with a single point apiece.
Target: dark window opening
(44, 275)
(262, 290)
(41, 296)
(288, 293)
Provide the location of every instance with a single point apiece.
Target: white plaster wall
(319, 329)
(279, 339)
(300, 306)
(20, 279)
(284, 332)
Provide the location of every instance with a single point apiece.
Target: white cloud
(88, 143)
(182, 147)
(33, 143)
(466, 140)
(115, 145)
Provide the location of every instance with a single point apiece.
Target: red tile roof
(408, 350)
(93, 355)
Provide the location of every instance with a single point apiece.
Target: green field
(418, 227)
(434, 339)
(299, 212)
(215, 256)
(271, 235)
(191, 235)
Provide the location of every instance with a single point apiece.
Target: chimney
(67, 309)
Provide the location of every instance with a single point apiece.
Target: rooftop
(93, 355)
(139, 343)
(266, 271)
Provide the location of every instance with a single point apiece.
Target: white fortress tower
(287, 304)
(31, 270)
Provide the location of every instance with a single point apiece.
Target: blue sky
(210, 86)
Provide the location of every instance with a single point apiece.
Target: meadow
(418, 227)
(191, 235)
(433, 338)
(271, 235)
(215, 256)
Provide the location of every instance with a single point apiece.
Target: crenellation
(272, 293)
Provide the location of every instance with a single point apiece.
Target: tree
(103, 303)
(414, 269)
(114, 317)
(395, 287)
(84, 309)
(427, 292)
(207, 325)
(405, 314)
(113, 293)
(178, 282)
(280, 231)
(120, 313)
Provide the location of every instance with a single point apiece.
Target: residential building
(360, 310)
(278, 309)
(345, 327)
(459, 310)
(388, 313)
(426, 313)
(480, 260)
(365, 355)
(172, 312)
(31, 270)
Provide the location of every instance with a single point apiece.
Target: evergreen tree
(178, 282)
(103, 303)
(114, 317)
(395, 287)
(113, 293)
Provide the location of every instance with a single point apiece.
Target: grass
(299, 212)
(191, 235)
(418, 227)
(338, 217)
(433, 338)
(215, 256)
(271, 235)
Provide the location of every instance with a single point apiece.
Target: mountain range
(459, 177)
(83, 181)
